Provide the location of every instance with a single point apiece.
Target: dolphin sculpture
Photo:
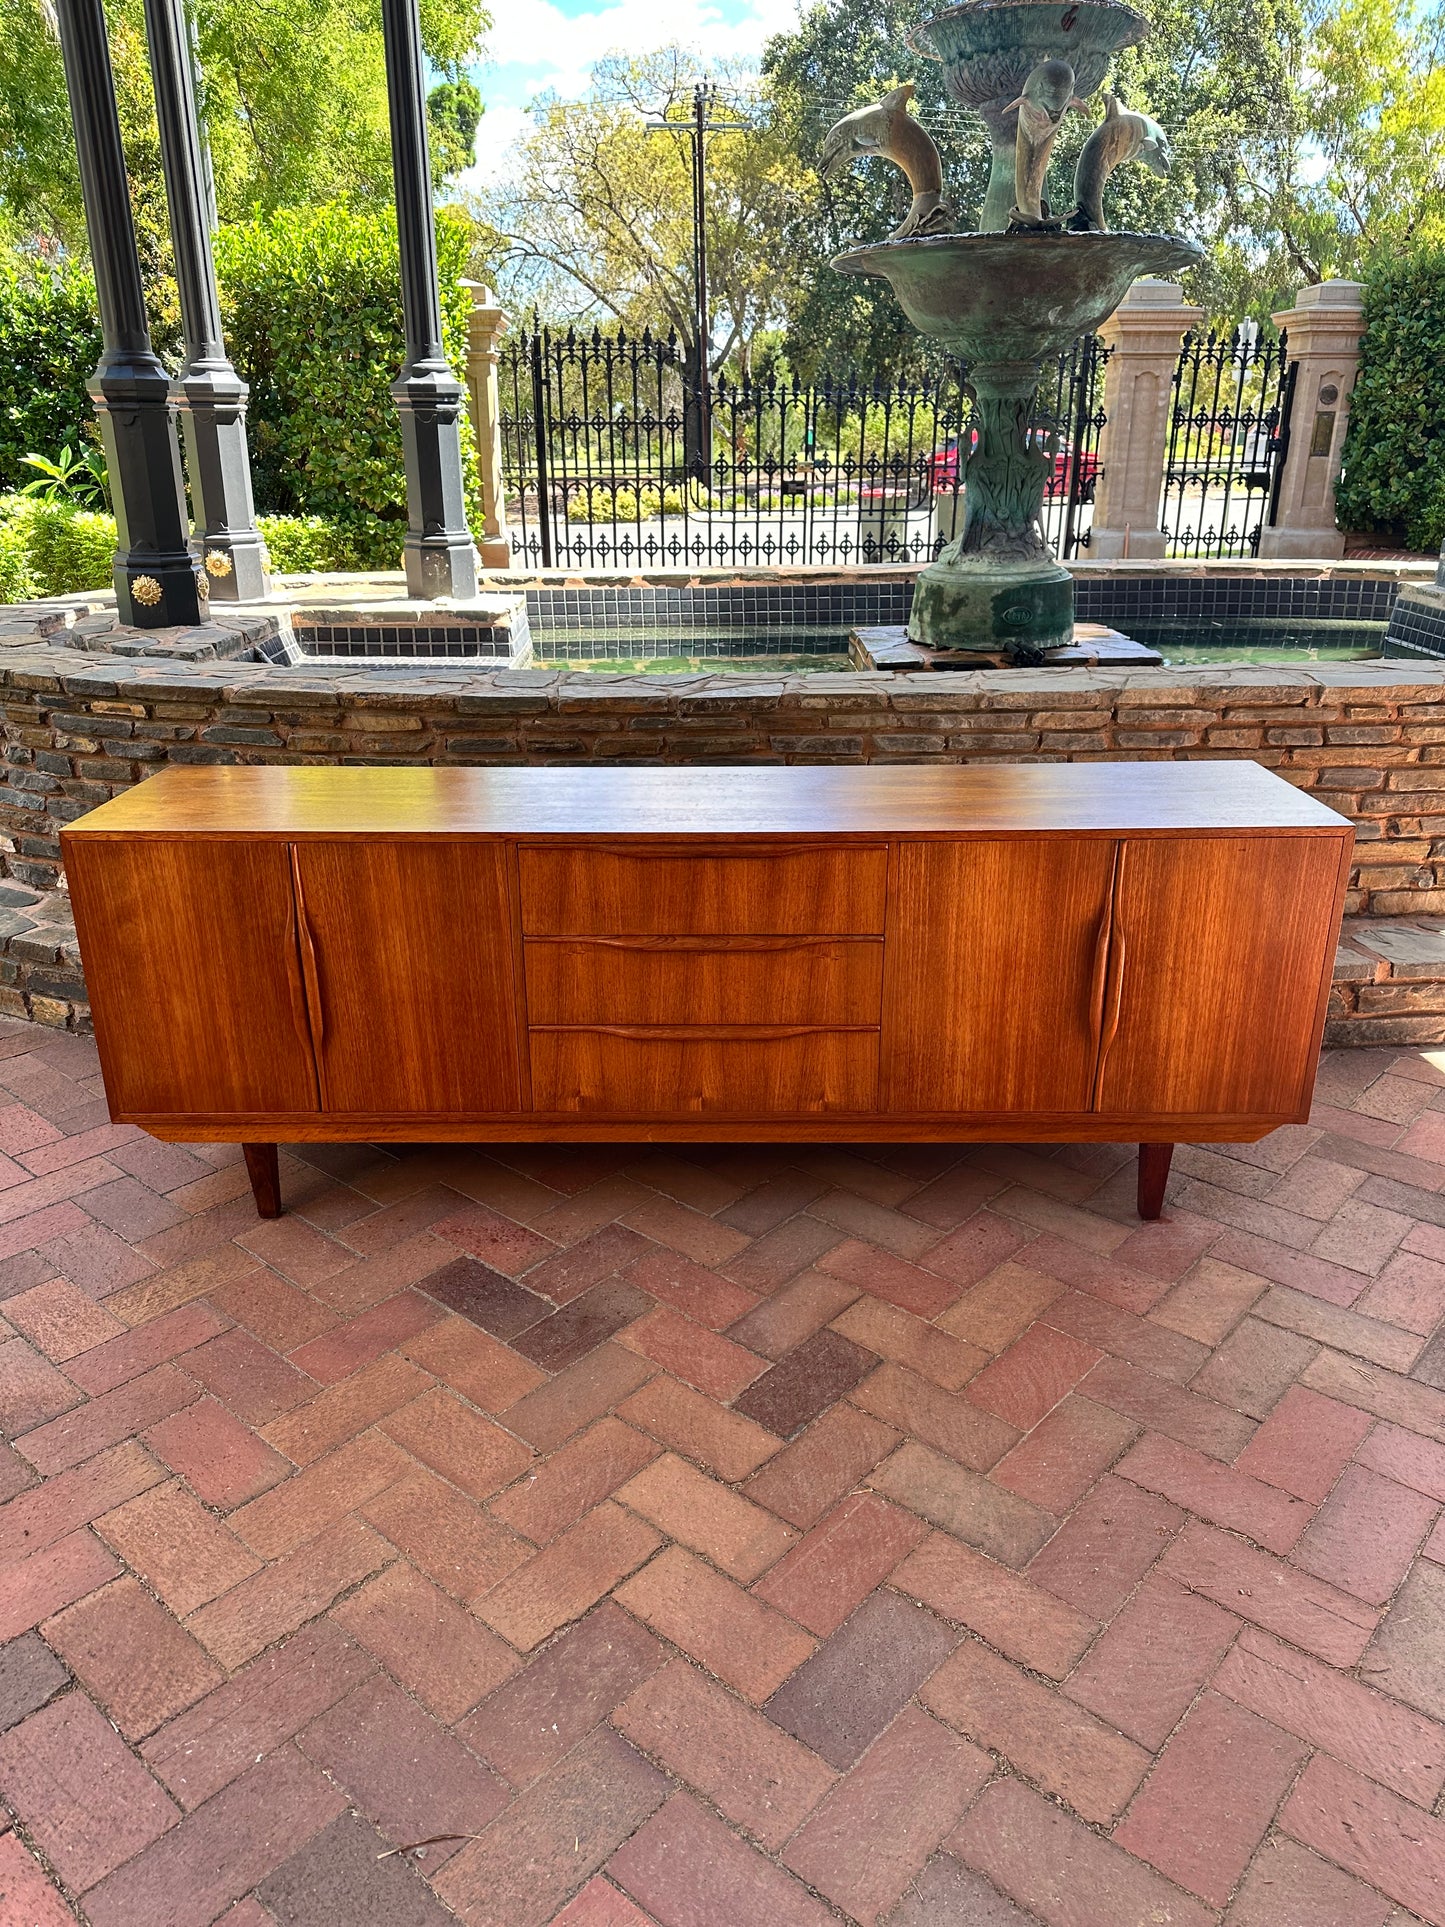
(1119, 137)
(888, 129)
(1047, 96)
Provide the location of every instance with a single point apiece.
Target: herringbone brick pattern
(718, 1536)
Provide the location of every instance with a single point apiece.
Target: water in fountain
(1020, 289)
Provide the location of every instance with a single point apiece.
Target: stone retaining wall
(1368, 739)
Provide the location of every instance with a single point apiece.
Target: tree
(1369, 182)
(454, 113)
(293, 98)
(597, 219)
(842, 54)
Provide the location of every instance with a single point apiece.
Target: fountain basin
(987, 47)
(1015, 297)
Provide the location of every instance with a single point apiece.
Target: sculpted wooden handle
(310, 970)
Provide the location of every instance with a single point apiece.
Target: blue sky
(540, 44)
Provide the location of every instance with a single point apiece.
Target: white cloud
(535, 47)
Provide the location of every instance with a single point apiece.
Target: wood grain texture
(638, 1077)
(704, 980)
(1221, 948)
(411, 994)
(580, 889)
(867, 800)
(991, 974)
(191, 963)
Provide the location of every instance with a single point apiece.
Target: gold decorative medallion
(218, 563)
(146, 590)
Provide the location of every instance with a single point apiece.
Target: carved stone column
(1323, 329)
(439, 556)
(155, 573)
(209, 393)
(485, 329)
(1144, 334)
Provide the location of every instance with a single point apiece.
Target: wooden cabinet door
(190, 959)
(1219, 950)
(407, 948)
(993, 964)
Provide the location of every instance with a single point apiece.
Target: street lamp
(697, 414)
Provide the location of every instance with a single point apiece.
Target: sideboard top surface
(852, 800)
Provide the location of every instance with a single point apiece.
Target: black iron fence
(1228, 436)
(612, 460)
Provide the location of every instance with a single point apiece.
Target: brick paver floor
(717, 1536)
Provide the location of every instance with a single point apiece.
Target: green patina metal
(1001, 300)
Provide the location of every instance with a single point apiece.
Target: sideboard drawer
(668, 1074)
(704, 980)
(580, 891)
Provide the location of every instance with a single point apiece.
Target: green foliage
(74, 476)
(52, 548)
(294, 102)
(49, 343)
(454, 113)
(841, 55)
(17, 584)
(1394, 463)
(299, 544)
(312, 305)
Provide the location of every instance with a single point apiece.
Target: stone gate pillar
(1323, 328)
(1144, 335)
(485, 329)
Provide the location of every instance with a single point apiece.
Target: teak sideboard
(1021, 952)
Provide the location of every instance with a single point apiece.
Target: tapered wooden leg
(1154, 1161)
(265, 1175)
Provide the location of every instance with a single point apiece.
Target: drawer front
(680, 980)
(667, 1075)
(828, 889)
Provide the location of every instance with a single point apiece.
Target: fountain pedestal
(997, 586)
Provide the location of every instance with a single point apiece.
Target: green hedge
(312, 306)
(49, 344)
(1394, 462)
(298, 544)
(311, 300)
(52, 548)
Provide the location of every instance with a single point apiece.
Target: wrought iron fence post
(539, 426)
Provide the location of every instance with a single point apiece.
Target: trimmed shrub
(298, 543)
(311, 299)
(49, 345)
(17, 584)
(1394, 461)
(67, 548)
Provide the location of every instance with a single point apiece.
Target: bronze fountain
(1018, 290)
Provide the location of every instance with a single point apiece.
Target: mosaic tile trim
(1417, 626)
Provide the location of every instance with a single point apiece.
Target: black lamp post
(155, 573)
(209, 393)
(697, 406)
(439, 555)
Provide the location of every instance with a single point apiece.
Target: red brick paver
(724, 1536)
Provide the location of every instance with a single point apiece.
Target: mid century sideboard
(1022, 952)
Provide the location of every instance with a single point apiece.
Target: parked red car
(943, 467)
